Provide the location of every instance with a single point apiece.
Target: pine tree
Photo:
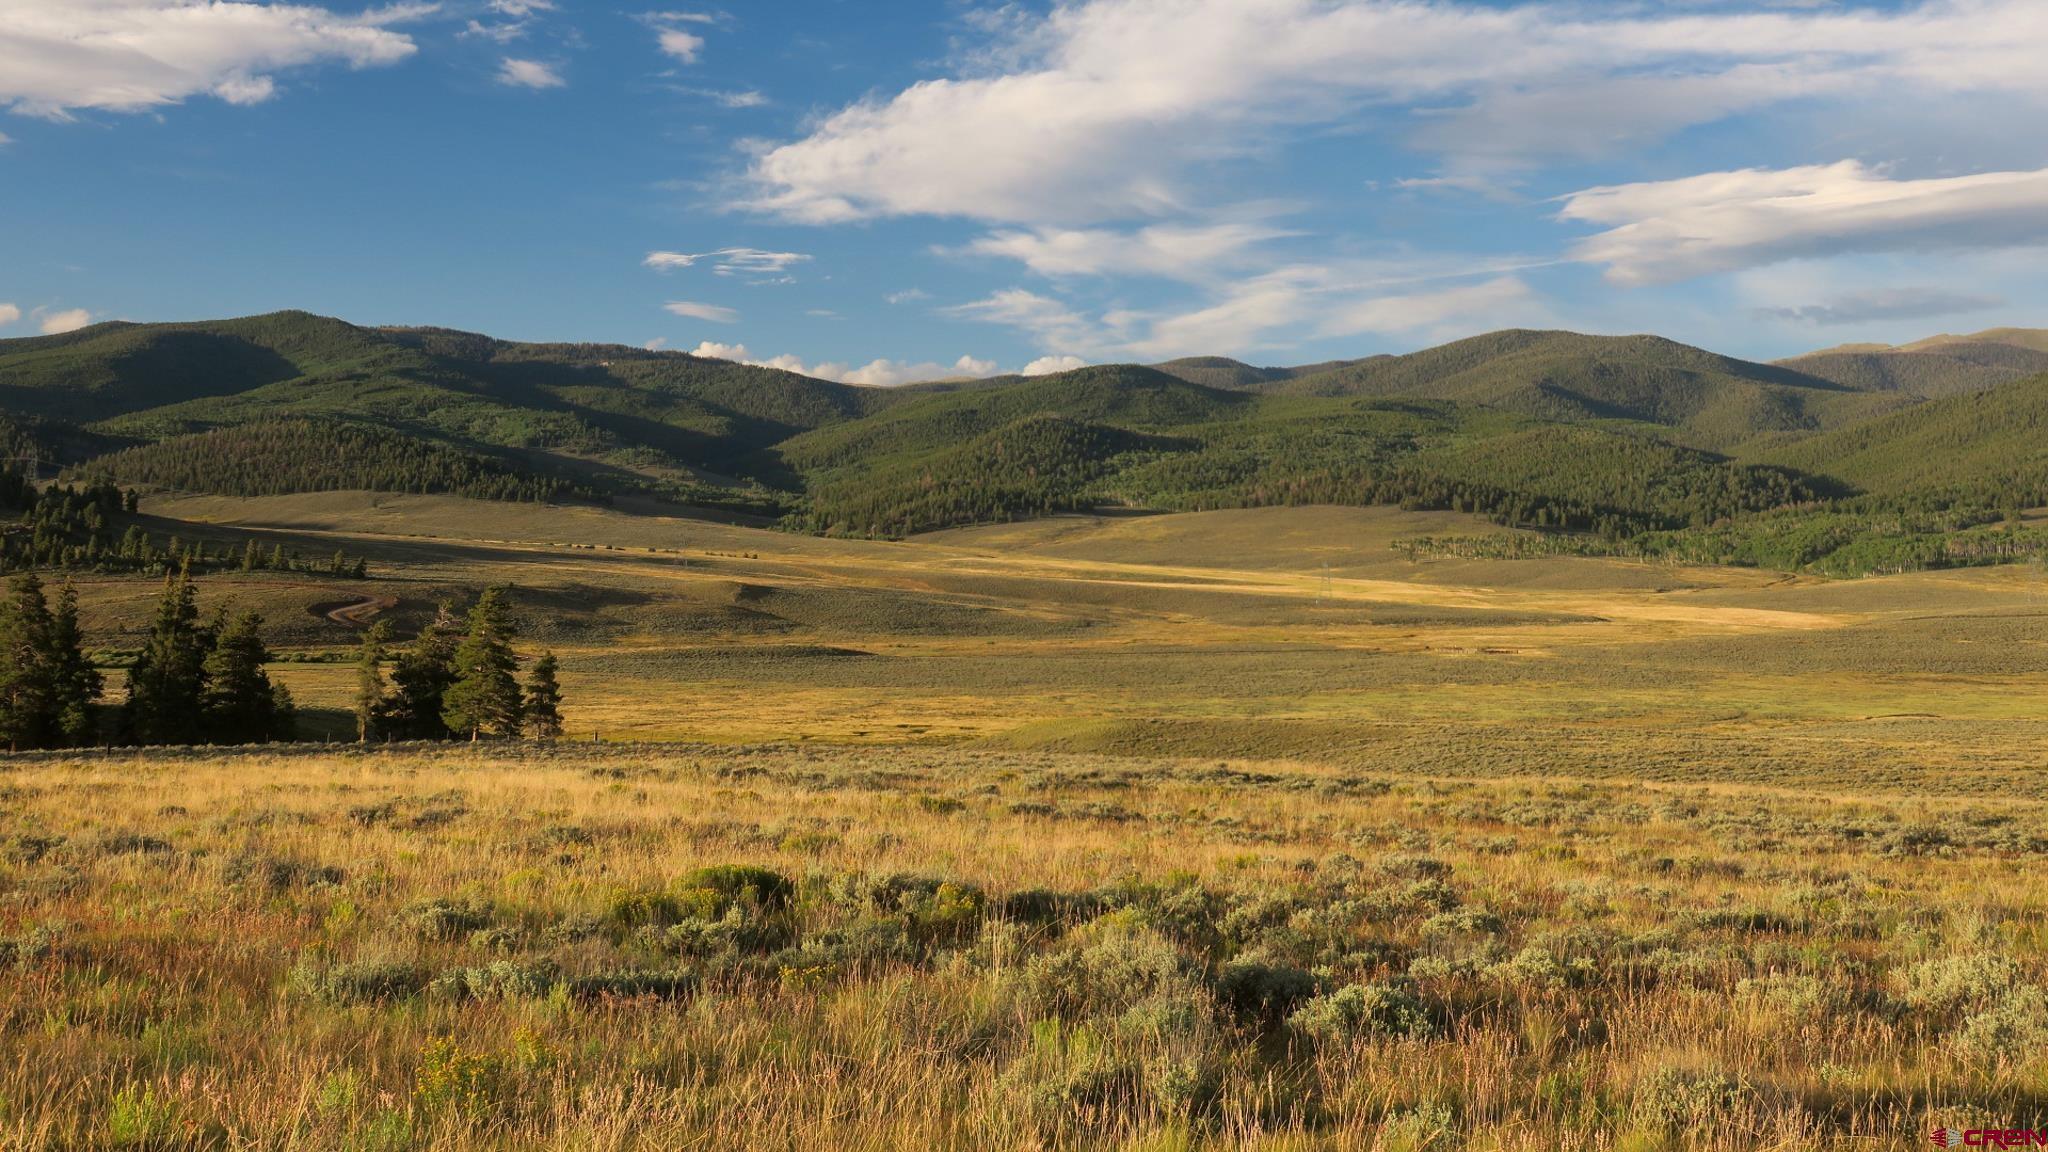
(239, 705)
(484, 698)
(371, 692)
(419, 678)
(27, 682)
(76, 682)
(543, 700)
(165, 683)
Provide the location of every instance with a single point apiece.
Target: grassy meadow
(1237, 829)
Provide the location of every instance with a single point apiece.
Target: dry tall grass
(924, 948)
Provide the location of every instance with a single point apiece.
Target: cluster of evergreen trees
(73, 528)
(192, 683)
(197, 683)
(458, 679)
(47, 685)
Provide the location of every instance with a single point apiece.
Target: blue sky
(881, 192)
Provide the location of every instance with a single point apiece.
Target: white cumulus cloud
(1047, 365)
(873, 374)
(9, 314)
(682, 45)
(58, 56)
(69, 320)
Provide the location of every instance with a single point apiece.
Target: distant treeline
(279, 457)
(1829, 542)
(1558, 478)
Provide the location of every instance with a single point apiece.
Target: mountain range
(1617, 436)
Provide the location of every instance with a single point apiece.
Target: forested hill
(1612, 437)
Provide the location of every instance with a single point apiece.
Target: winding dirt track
(360, 613)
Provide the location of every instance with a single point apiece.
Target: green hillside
(1222, 372)
(611, 416)
(1988, 447)
(1634, 444)
(948, 463)
(1124, 395)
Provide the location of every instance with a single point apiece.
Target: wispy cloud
(763, 266)
(694, 311)
(529, 74)
(1276, 309)
(1168, 250)
(743, 98)
(1884, 306)
(673, 38)
(1668, 230)
(1125, 97)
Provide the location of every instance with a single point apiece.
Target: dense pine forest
(1842, 462)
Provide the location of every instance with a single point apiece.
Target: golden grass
(1620, 965)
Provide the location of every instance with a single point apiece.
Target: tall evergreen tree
(165, 684)
(543, 700)
(484, 698)
(372, 694)
(239, 704)
(420, 677)
(27, 679)
(75, 682)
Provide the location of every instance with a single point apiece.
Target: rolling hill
(2033, 339)
(1223, 372)
(1932, 370)
(608, 417)
(1701, 398)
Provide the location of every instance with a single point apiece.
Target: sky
(881, 192)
